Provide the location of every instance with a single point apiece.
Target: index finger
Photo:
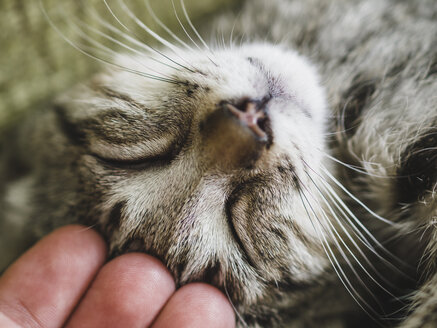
(42, 288)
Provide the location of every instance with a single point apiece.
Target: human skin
(64, 280)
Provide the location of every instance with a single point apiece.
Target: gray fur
(377, 60)
(131, 157)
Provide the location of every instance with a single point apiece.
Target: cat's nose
(252, 115)
(236, 134)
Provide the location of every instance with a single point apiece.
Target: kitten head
(211, 165)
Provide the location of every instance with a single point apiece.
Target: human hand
(63, 281)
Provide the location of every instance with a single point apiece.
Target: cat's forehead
(224, 72)
(251, 71)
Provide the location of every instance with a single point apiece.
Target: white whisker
(237, 313)
(335, 200)
(356, 199)
(157, 37)
(113, 15)
(357, 168)
(336, 237)
(87, 50)
(334, 262)
(163, 26)
(82, 49)
(183, 27)
(354, 244)
(114, 53)
(231, 36)
(356, 222)
(138, 43)
(192, 25)
(188, 34)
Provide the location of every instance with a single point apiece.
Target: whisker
(164, 42)
(114, 53)
(141, 24)
(223, 39)
(361, 237)
(358, 222)
(356, 199)
(115, 17)
(186, 32)
(231, 36)
(163, 26)
(242, 38)
(138, 43)
(335, 264)
(82, 49)
(337, 237)
(354, 244)
(424, 149)
(337, 201)
(357, 168)
(87, 50)
(183, 27)
(237, 313)
(192, 25)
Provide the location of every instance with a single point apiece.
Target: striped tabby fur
(327, 221)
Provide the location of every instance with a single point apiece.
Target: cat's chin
(263, 242)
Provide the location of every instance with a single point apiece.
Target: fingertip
(210, 300)
(143, 264)
(80, 238)
(197, 305)
(129, 291)
(47, 281)
(142, 269)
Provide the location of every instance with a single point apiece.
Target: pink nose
(251, 115)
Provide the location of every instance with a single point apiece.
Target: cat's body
(222, 169)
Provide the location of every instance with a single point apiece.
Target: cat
(296, 171)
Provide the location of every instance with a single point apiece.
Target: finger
(7, 322)
(42, 288)
(196, 306)
(129, 291)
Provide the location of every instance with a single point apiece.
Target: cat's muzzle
(236, 134)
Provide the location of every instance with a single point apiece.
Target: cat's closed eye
(125, 133)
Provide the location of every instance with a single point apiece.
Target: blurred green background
(36, 63)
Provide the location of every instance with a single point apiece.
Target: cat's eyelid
(136, 163)
(131, 153)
